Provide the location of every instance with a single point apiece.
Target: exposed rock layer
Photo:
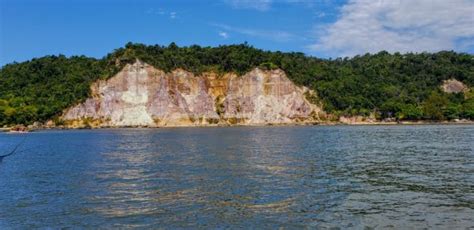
(453, 86)
(141, 95)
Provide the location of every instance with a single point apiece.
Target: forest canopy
(399, 86)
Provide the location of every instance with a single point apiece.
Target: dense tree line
(400, 86)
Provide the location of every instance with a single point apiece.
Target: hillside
(401, 86)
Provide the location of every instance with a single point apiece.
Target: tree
(468, 109)
(453, 111)
(434, 106)
(410, 112)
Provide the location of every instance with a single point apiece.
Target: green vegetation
(400, 86)
(40, 89)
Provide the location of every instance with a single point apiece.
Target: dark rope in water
(14, 149)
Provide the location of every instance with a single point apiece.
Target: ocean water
(359, 177)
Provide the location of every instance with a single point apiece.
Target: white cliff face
(134, 99)
(141, 95)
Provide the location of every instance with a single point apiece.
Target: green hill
(401, 86)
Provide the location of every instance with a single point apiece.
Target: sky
(321, 28)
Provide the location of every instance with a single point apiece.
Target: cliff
(141, 95)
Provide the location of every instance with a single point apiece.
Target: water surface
(247, 177)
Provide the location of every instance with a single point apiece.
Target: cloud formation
(398, 26)
(264, 5)
(261, 5)
(161, 12)
(223, 34)
(172, 15)
(273, 35)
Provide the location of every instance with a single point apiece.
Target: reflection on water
(382, 177)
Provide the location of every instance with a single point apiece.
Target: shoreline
(324, 123)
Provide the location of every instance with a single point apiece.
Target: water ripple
(269, 177)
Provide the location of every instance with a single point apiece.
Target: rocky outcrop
(141, 95)
(453, 86)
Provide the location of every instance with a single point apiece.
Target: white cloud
(161, 12)
(155, 11)
(264, 5)
(223, 34)
(398, 26)
(172, 15)
(320, 14)
(261, 5)
(274, 35)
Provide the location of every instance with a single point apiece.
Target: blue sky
(323, 28)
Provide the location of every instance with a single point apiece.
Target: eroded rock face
(453, 86)
(141, 95)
